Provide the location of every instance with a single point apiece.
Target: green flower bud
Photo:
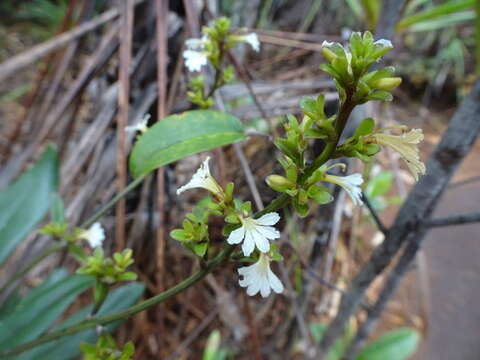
(388, 83)
(279, 183)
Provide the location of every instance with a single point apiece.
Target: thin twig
(452, 220)
(243, 72)
(374, 214)
(161, 10)
(122, 118)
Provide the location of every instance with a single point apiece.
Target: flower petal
(236, 236)
(268, 219)
(268, 231)
(275, 282)
(248, 243)
(261, 241)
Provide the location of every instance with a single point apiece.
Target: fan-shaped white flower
(140, 126)
(194, 60)
(351, 184)
(406, 145)
(195, 56)
(384, 43)
(255, 233)
(203, 179)
(252, 40)
(260, 278)
(94, 235)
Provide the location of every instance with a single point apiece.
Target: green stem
(31, 265)
(343, 115)
(112, 202)
(119, 315)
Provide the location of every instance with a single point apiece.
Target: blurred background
(66, 93)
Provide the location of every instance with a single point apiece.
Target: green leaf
(24, 203)
(397, 344)
(318, 330)
(40, 308)
(379, 185)
(180, 135)
(448, 7)
(366, 127)
(68, 347)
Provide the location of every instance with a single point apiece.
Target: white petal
(354, 179)
(194, 60)
(248, 243)
(326, 43)
(252, 39)
(265, 288)
(253, 289)
(261, 241)
(275, 282)
(268, 231)
(236, 236)
(384, 43)
(268, 219)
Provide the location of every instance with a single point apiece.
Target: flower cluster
(211, 48)
(252, 233)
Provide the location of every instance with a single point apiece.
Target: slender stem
(342, 118)
(374, 214)
(119, 315)
(31, 265)
(112, 202)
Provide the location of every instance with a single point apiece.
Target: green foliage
(440, 12)
(213, 350)
(25, 202)
(38, 310)
(397, 344)
(339, 347)
(108, 270)
(106, 349)
(180, 135)
(358, 145)
(68, 347)
(350, 68)
(194, 234)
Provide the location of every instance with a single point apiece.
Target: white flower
(406, 146)
(252, 39)
(255, 232)
(195, 56)
(94, 235)
(351, 184)
(384, 43)
(140, 126)
(202, 179)
(259, 278)
(194, 60)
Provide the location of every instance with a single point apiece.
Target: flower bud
(387, 84)
(278, 183)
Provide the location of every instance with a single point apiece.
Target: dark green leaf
(57, 210)
(24, 203)
(177, 136)
(39, 309)
(397, 344)
(68, 347)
